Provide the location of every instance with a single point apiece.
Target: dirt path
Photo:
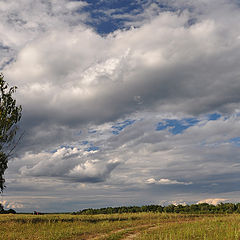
(132, 231)
(150, 228)
(136, 234)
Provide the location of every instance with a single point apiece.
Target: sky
(124, 102)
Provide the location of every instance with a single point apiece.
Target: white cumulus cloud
(213, 201)
(165, 181)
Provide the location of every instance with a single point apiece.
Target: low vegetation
(142, 226)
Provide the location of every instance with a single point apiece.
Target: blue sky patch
(84, 142)
(214, 116)
(115, 132)
(176, 126)
(107, 16)
(92, 148)
(235, 141)
(121, 125)
(102, 14)
(66, 146)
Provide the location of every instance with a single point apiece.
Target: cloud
(76, 5)
(165, 181)
(98, 78)
(24, 21)
(12, 204)
(213, 201)
(196, 163)
(69, 164)
(175, 71)
(92, 171)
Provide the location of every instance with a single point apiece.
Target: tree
(1, 207)
(10, 115)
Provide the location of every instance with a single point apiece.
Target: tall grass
(119, 226)
(208, 228)
(64, 226)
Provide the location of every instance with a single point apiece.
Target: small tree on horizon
(10, 115)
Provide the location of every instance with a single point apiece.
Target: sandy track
(136, 234)
(132, 231)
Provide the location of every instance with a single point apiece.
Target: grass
(209, 228)
(144, 226)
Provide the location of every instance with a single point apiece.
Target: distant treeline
(194, 208)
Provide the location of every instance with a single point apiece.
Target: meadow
(144, 226)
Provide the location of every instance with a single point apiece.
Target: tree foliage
(1, 207)
(202, 208)
(2, 211)
(10, 115)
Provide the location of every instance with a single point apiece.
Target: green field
(120, 226)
